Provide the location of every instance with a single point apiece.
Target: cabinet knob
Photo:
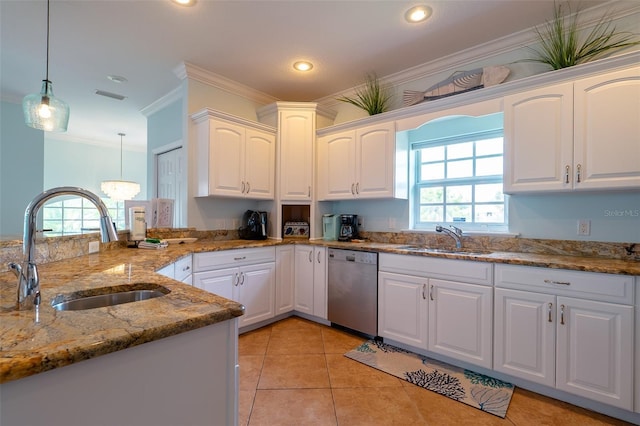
(578, 173)
(562, 314)
(550, 307)
(566, 174)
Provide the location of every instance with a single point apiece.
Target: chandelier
(120, 190)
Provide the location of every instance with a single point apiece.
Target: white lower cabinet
(425, 310)
(179, 270)
(285, 279)
(251, 284)
(553, 336)
(311, 280)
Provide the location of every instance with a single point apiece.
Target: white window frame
(417, 184)
(116, 211)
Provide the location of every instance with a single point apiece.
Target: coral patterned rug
(477, 390)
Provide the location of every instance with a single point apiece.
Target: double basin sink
(108, 296)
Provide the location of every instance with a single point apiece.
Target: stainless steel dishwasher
(353, 290)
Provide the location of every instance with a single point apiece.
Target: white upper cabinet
(607, 130)
(581, 135)
(235, 157)
(366, 162)
(296, 131)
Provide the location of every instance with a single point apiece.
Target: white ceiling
(250, 42)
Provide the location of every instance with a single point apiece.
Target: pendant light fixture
(120, 190)
(43, 110)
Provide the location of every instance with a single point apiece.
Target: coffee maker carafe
(348, 227)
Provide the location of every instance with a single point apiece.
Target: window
(76, 215)
(458, 181)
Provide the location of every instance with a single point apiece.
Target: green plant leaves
(372, 97)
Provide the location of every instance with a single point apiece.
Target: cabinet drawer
(586, 285)
(183, 268)
(431, 267)
(229, 258)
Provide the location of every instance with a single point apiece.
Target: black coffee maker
(348, 227)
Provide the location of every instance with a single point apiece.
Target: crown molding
(192, 72)
(508, 44)
(65, 137)
(166, 100)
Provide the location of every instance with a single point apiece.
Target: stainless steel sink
(419, 249)
(81, 302)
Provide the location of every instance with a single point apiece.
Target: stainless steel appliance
(254, 225)
(348, 227)
(353, 290)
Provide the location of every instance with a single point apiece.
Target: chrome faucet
(27, 272)
(454, 232)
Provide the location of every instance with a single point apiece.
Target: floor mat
(477, 390)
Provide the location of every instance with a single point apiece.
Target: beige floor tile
(250, 369)
(295, 341)
(296, 323)
(338, 341)
(531, 408)
(254, 342)
(294, 372)
(245, 403)
(293, 407)
(347, 373)
(375, 406)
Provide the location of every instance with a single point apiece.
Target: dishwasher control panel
(353, 256)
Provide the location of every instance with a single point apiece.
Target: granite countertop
(31, 345)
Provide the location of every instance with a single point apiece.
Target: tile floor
(293, 372)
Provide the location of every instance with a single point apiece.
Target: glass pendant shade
(44, 111)
(120, 190)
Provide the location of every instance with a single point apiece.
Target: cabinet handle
(358, 188)
(562, 314)
(309, 191)
(242, 187)
(240, 258)
(241, 278)
(566, 174)
(236, 280)
(549, 311)
(248, 187)
(318, 256)
(557, 282)
(431, 292)
(310, 256)
(186, 268)
(578, 172)
(424, 289)
(353, 189)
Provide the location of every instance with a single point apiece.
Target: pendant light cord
(47, 77)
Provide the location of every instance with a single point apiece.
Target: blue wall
(21, 168)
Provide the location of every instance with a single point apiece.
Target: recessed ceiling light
(417, 14)
(117, 78)
(184, 2)
(303, 66)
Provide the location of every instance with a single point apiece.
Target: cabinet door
(226, 158)
(538, 140)
(402, 308)
(304, 279)
(257, 292)
(223, 282)
(375, 160)
(285, 279)
(461, 321)
(607, 130)
(297, 134)
(320, 282)
(595, 351)
(336, 166)
(259, 178)
(524, 333)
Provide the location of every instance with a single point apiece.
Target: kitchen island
(164, 361)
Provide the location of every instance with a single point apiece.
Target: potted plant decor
(371, 97)
(560, 46)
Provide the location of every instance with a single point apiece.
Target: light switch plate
(584, 227)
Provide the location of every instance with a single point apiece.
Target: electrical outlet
(94, 246)
(584, 227)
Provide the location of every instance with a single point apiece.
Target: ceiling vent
(110, 95)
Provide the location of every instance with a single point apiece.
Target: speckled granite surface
(57, 339)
